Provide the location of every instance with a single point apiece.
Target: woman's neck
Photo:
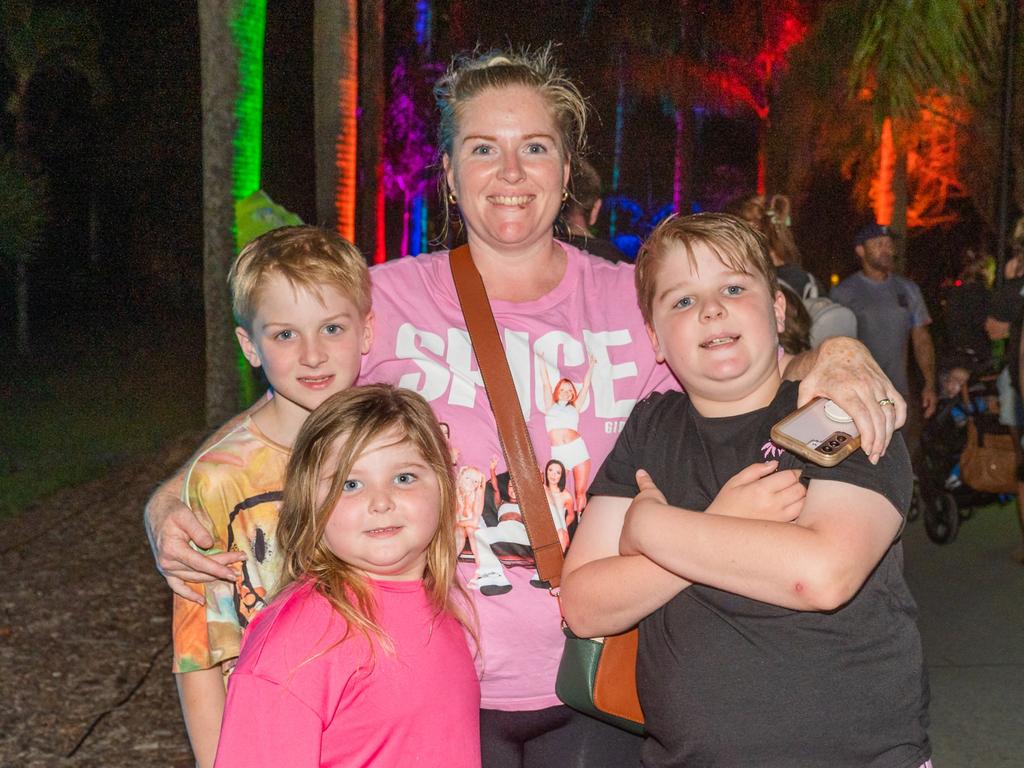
(521, 274)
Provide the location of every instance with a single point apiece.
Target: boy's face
(717, 329)
(309, 345)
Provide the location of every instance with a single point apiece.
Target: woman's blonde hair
(328, 445)
(469, 75)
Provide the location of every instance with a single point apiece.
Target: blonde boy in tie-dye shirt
(301, 298)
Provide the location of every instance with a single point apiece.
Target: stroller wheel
(942, 519)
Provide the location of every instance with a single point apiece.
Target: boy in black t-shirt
(782, 638)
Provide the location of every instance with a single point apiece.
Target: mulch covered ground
(85, 629)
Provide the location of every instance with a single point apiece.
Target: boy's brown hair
(737, 245)
(308, 257)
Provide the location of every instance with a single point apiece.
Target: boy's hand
(845, 372)
(171, 527)
(758, 492)
(648, 497)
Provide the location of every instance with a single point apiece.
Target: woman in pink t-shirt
(344, 667)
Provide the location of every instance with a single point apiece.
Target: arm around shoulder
(171, 527)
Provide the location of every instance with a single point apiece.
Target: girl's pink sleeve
(266, 725)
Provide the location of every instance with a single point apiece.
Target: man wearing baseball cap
(890, 312)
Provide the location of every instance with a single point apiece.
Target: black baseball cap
(872, 231)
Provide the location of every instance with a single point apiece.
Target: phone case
(812, 433)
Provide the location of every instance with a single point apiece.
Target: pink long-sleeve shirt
(300, 698)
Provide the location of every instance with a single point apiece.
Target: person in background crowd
(581, 212)
(890, 313)
(967, 308)
(1016, 266)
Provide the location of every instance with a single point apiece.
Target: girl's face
(554, 474)
(469, 481)
(388, 511)
(565, 392)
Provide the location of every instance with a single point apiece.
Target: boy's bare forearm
(611, 595)
(602, 592)
(202, 699)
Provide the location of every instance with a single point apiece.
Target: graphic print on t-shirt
(490, 530)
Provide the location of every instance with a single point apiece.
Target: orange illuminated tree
(336, 98)
(883, 90)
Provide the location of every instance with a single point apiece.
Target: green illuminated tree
(231, 58)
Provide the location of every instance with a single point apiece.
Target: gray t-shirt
(886, 312)
(726, 681)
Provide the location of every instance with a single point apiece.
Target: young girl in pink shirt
(362, 657)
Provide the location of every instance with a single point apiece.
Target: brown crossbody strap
(508, 416)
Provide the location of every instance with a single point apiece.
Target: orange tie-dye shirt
(234, 488)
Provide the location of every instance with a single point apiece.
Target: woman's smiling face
(507, 167)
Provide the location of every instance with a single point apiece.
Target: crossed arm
(631, 556)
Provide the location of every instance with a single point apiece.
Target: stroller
(941, 497)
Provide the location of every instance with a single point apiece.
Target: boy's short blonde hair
(737, 245)
(309, 257)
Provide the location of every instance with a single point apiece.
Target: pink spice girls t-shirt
(421, 343)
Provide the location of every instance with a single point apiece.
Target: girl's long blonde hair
(329, 443)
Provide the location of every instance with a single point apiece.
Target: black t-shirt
(967, 308)
(1007, 301)
(1008, 306)
(606, 249)
(729, 681)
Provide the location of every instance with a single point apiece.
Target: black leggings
(557, 737)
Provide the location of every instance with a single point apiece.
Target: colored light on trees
(247, 30)
(345, 144)
(881, 196)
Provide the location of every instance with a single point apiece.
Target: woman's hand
(845, 372)
(759, 492)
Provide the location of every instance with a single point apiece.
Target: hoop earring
(565, 194)
(452, 199)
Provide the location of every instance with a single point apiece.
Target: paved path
(971, 597)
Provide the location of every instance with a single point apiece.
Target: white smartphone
(821, 432)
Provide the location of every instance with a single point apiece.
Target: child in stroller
(943, 496)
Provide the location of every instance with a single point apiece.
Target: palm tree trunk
(335, 99)
(370, 140)
(899, 205)
(219, 70)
